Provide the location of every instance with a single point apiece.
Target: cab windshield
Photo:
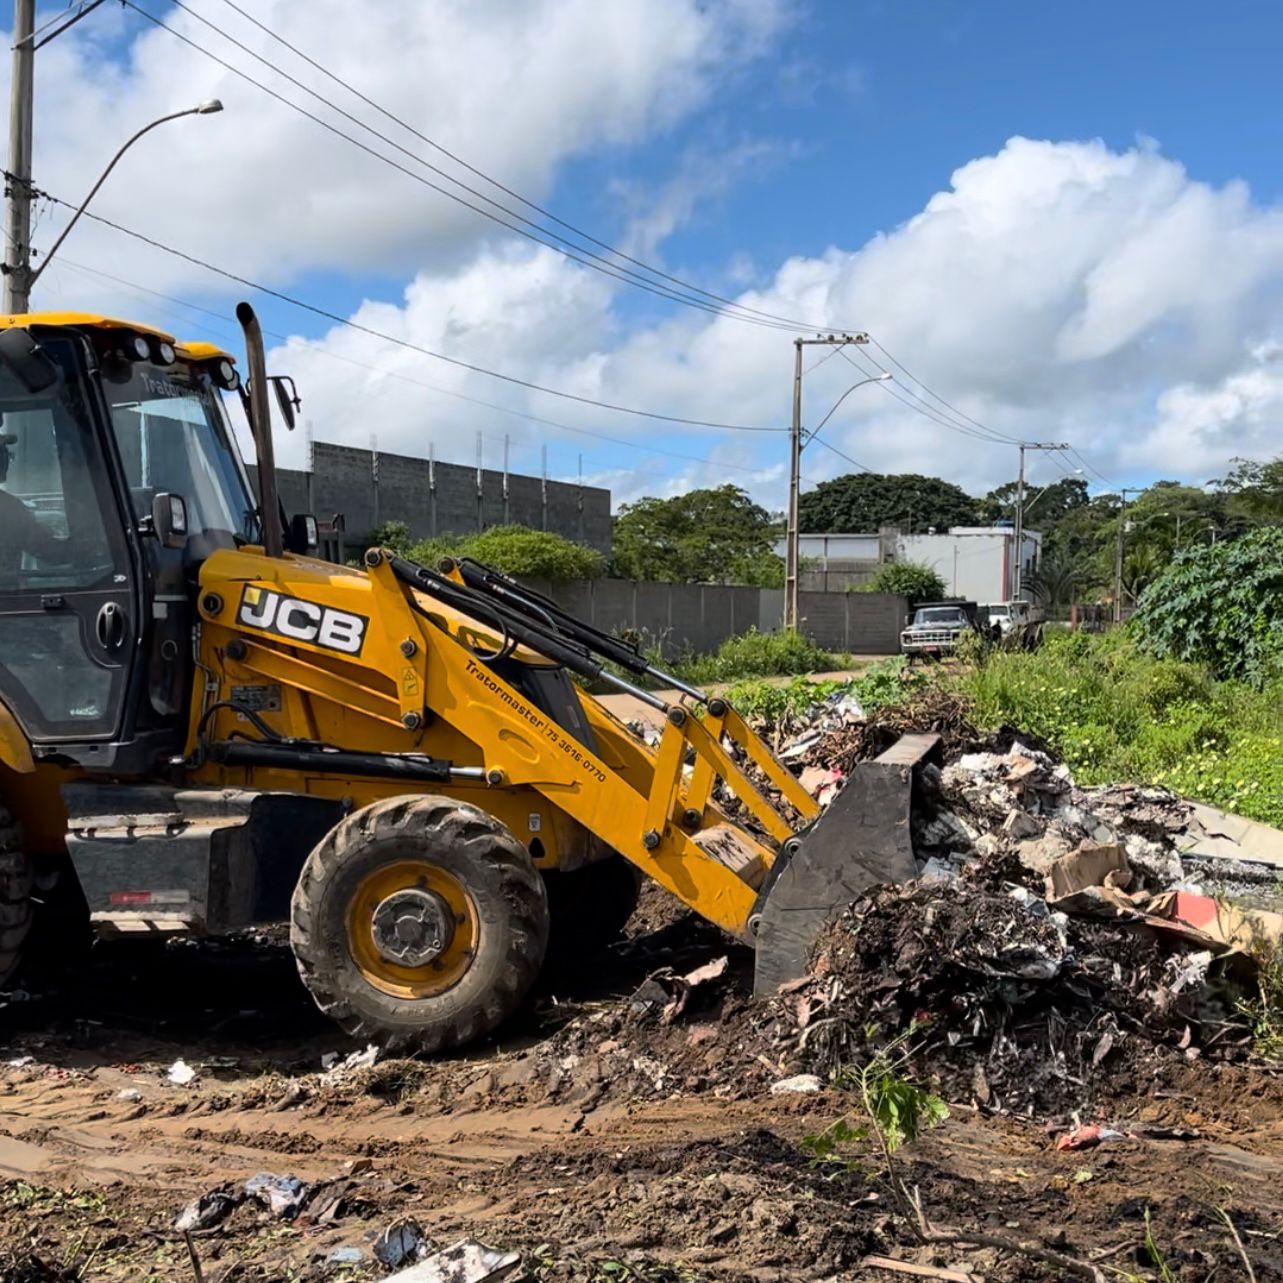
(940, 615)
(173, 439)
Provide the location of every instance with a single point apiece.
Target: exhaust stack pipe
(260, 422)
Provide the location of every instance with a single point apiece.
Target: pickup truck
(935, 626)
(1013, 624)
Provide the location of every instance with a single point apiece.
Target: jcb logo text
(270, 612)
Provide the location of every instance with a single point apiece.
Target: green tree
(705, 536)
(516, 550)
(909, 579)
(1060, 578)
(1221, 605)
(1045, 506)
(394, 535)
(1253, 492)
(863, 502)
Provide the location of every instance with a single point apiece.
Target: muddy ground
(597, 1141)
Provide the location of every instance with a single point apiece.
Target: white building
(975, 562)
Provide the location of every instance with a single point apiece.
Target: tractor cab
(119, 475)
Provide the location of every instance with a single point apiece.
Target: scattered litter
(401, 1243)
(347, 1255)
(464, 1262)
(1089, 1137)
(806, 1084)
(207, 1211)
(336, 1069)
(180, 1074)
(20, 1062)
(131, 1094)
(283, 1196)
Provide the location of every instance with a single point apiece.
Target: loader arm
(351, 721)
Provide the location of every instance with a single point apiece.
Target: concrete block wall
(858, 622)
(438, 499)
(699, 617)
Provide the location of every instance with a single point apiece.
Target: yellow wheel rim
(408, 882)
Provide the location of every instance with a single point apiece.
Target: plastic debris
(805, 1084)
(180, 1074)
(464, 1262)
(131, 1094)
(207, 1211)
(283, 1196)
(1088, 1137)
(347, 1255)
(20, 1062)
(336, 1069)
(400, 1243)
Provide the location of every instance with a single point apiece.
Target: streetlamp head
(882, 378)
(209, 107)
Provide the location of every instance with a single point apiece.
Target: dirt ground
(562, 1141)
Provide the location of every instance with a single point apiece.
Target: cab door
(68, 625)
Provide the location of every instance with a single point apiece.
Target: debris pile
(997, 998)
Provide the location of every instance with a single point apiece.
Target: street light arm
(205, 108)
(876, 378)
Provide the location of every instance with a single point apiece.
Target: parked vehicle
(1013, 624)
(934, 628)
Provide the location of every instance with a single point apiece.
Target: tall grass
(1117, 713)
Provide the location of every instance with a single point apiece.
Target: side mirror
(287, 397)
(27, 361)
(303, 535)
(169, 520)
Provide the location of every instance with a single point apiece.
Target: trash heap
(1057, 945)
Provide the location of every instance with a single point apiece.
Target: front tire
(420, 923)
(15, 895)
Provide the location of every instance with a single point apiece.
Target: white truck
(1013, 624)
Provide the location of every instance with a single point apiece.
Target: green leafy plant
(1221, 605)
(516, 550)
(756, 654)
(1115, 711)
(909, 579)
(1265, 1009)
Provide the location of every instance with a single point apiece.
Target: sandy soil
(529, 1145)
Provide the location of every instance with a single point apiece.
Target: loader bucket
(861, 840)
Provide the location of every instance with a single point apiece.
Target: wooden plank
(918, 1271)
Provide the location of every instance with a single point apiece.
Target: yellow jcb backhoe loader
(204, 726)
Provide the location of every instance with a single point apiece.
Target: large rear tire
(15, 895)
(419, 923)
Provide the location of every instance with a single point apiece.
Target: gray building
(367, 490)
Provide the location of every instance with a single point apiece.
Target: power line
(915, 403)
(405, 343)
(841, 455)
(568, 249)
(1092, 468)
(326, 354)
(935, 397)
(494, 182)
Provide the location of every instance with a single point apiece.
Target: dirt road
(679, 1161)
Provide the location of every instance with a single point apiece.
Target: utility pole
(795, 487)
(17, 213)
(1018, 560)
(791, 536)
(1118, 551)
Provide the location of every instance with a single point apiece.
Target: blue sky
(1110, 282)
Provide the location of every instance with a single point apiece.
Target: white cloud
(517, 87)
(1056, 291)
